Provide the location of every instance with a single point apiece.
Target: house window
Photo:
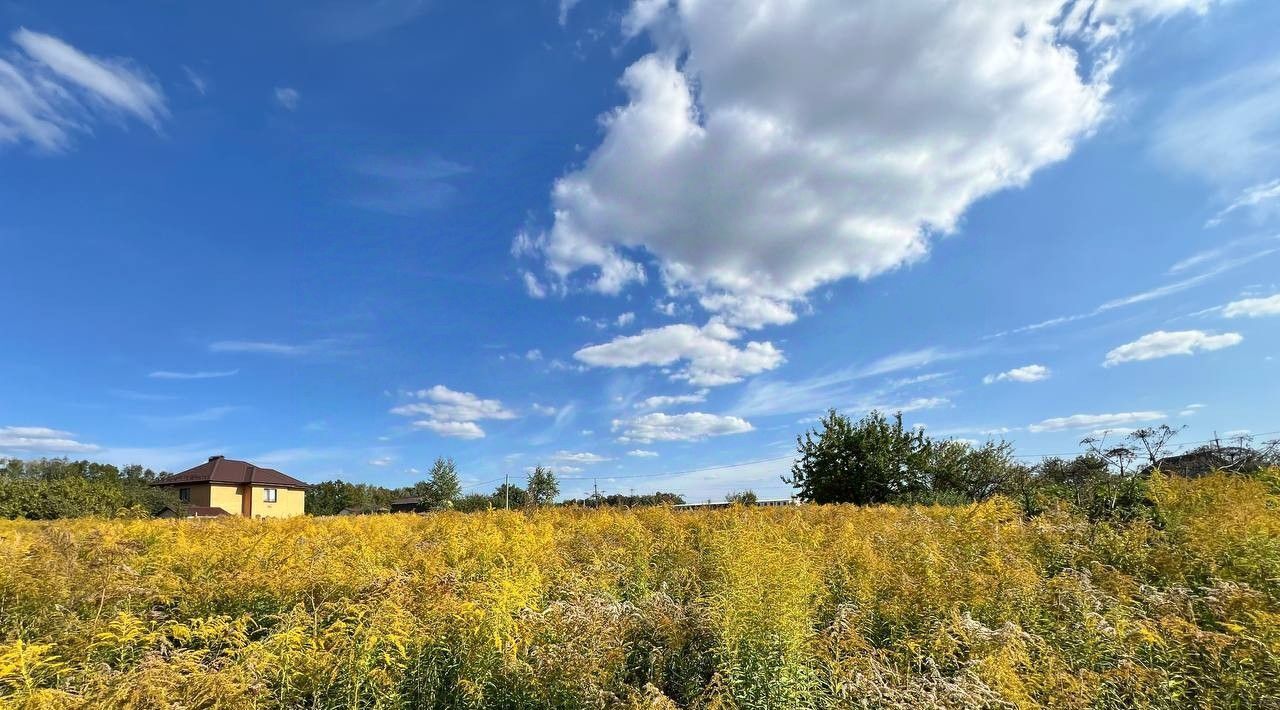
(269, 495)
(184, 495)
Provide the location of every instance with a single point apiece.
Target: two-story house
(223, 486)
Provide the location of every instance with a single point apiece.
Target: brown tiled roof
(223, 470)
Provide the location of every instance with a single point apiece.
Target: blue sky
(639, 242)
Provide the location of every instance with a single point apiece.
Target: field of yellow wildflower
(825, 607)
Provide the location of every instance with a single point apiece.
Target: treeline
(877, 460)
(441, 490)
(45, 489)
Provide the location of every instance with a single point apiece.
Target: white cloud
(199, 375)
(545, 409)
(1094, 421)
(452, 413)
(842, 388)
(381, 461)
(210, 414)
(1164, 344)
(579, 457)
(1254, 198)
(1253, 307)
(1026, 373)
(913, 405)
(565, 7)
(1220, 265)
(625, 319)
(769, 147)
(41, 440)
(457, 430)
(270, 347)
(444, 403)
(533, 355)
(533, 286)
(708, 355)
(642, 453)
(693, 426)
(1190, 410)
(660, 401)
(50, 90)
(287, 98)
(1226, 130)
(199, 83)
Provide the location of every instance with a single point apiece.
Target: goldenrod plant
(838, 606)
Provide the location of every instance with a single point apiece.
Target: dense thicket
(44, 489)
(959, 606)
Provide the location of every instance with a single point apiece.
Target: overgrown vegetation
(964, 606)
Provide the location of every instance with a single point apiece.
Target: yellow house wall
(289, 502)
(199, 493)
(225, 497)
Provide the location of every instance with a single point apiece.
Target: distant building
(763, 502)
(223, 486)
(406, 505)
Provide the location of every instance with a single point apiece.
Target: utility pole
(506, 489)
(595, 494)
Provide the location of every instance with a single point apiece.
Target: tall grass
(824, 607)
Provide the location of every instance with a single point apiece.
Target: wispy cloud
(287, 97)
(36, 439)
(270, 347)
(342, 21)
(843, 388)
(1222, 266)
(50, 90)
(1094, 421)
(141, 396)
(197, 375)
(210, 414)
(1253, 198)
(405, 185)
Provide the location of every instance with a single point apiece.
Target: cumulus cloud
(452, 413)
(1026, 373)
(1253, 307)
(642, 453)
(1094, 421)
(768, 147)
(41, 439)
(1164, 344)
(707, 355)
(693, 426)
(663, 400)
(456, 430)
(50, 90)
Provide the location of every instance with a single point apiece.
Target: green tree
(747, 497)
(444, 487)
(508, 495)
(542, 487)
(874, 460)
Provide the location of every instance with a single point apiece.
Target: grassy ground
(972, 606)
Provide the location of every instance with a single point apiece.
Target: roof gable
(232, 472)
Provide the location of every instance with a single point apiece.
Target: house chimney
(219, 457)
